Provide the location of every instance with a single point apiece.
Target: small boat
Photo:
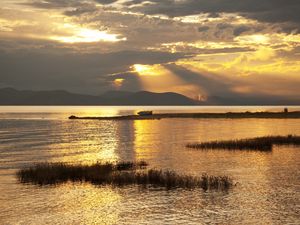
(145, 113)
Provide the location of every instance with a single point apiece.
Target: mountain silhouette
(10, 96)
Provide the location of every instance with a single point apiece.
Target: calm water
(268, 189)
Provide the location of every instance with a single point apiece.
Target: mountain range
(10, 96)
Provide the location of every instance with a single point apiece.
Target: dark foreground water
(268, 184)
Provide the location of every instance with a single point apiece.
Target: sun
(86, 35)
(141, 68)
(146, 70)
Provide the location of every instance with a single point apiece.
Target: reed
(119, 175)
(53, 173)
(259, 143)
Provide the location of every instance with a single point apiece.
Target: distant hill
(116, 94)
(10, 96)
(151, 98)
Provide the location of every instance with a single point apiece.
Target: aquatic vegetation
(130, 165)
(259, 143)
(52, 173)
(119, 174)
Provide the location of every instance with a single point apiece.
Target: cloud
(56, 4)
(239, 45)
(81, 9)
(209, 83)
(71, 7)
(271, 11)
(285, 12)
(240, 29)
(222, 89)
(53, 4)
(203, 28)
(105, 2)
(83, 73)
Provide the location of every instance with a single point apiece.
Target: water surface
(267, 190)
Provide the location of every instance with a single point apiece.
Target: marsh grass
(119, 175)
(52, 173)
(259, 143)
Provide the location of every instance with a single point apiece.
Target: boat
(145, 113)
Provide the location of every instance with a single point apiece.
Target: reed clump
(119, 174)
(53, 173)
(260, 143)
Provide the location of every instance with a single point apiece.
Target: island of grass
(228, 115)
(258, 143)
(118, 174)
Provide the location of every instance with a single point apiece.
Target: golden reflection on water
(87, 142)
(65, 204)
(90, 204)
(92, 141)
(265, 193)
(144, 142)
(96, 111)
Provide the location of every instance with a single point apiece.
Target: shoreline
(228, 115)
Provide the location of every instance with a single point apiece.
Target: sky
(199, 48)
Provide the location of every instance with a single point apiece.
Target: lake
(267, 187)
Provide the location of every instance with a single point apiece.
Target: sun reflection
(144, 139)
(85, 143)
(100, 205)
(94, 111)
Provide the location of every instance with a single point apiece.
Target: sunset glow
(118, 83)
(87, 35)
(146, 70)
(82, 35)
(237, 50)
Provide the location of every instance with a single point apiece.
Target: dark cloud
(65, 3)
(53, 4)
(105, 2)
(241, 29)
(223, 26)
(86, 7)
(83, 8)
(77, 6)
(85, 73)
(273, 11)
(203, 28)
